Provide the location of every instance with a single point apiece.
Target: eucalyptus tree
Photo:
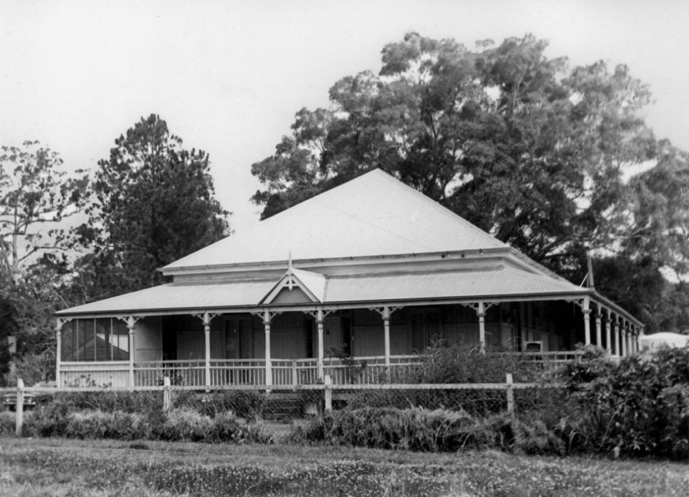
(522, 145)
(36, 194)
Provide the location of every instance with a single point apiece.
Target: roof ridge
(412, 272)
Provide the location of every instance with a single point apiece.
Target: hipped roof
(372, 216)
(369, 216)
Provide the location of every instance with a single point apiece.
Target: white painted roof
(372, 215)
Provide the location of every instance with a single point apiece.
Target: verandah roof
(499, 282)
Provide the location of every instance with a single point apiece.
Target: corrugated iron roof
(372, 215)
(465, 284)
(174, 296)
(500, 281)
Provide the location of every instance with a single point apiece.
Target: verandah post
(617, 335)
(58, 350)
(608, 338)
(207, 334)
(586, 309)
(386, 329)
(131, 321)
(482, 325)
(321, 351)
(599, 332)
(269, 366)
(19, 410)
(624, 339)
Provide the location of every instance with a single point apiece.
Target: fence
(290, 402)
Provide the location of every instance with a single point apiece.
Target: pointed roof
(372, 215)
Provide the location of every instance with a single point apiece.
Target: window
(101, 339)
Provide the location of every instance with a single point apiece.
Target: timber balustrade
(285, 372)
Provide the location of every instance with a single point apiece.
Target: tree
(153, 203)
(519, 144)
(659, 212)
(36, 194)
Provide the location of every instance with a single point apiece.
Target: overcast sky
(228, 76)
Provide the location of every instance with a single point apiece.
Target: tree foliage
(36, 194)
(519, 144)
(153, 203)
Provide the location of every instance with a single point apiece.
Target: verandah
(97, 352)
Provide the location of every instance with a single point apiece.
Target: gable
(294, 296)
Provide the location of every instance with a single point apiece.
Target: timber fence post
(167, 402)
(510, 394)
(328, 393)
(19, 408)
(295, 379)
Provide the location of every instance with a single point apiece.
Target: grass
(61, 467)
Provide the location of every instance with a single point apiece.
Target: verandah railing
(285, 372)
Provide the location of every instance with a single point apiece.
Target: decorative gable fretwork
(296, 286)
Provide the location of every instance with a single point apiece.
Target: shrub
(482, 402)
(184, 424)
(98, 424)
(467, 363)
(249, 405)
(637, 407)
(390, 428)
(106, 401)
(8, 423)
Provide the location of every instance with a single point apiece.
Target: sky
(229, 76)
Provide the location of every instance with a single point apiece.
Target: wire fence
(282, 403)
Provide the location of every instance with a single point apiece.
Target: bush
(431, 431)
(467, 363)
(249, 405)
(389, 428)
(106, 401)
(184, 424)
(481, 403)
(637, 407)
(8, 423)
(116, 425)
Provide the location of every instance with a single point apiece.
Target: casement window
(101, 339)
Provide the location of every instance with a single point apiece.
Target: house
(370, 271)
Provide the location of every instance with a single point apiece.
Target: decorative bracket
(265, 315)
(584, 304)
(206, 317)
(476, 306)
(322, 312)
(130, 321)
(381, 310)
(60, 322)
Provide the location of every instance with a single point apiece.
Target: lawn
(61, 467)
